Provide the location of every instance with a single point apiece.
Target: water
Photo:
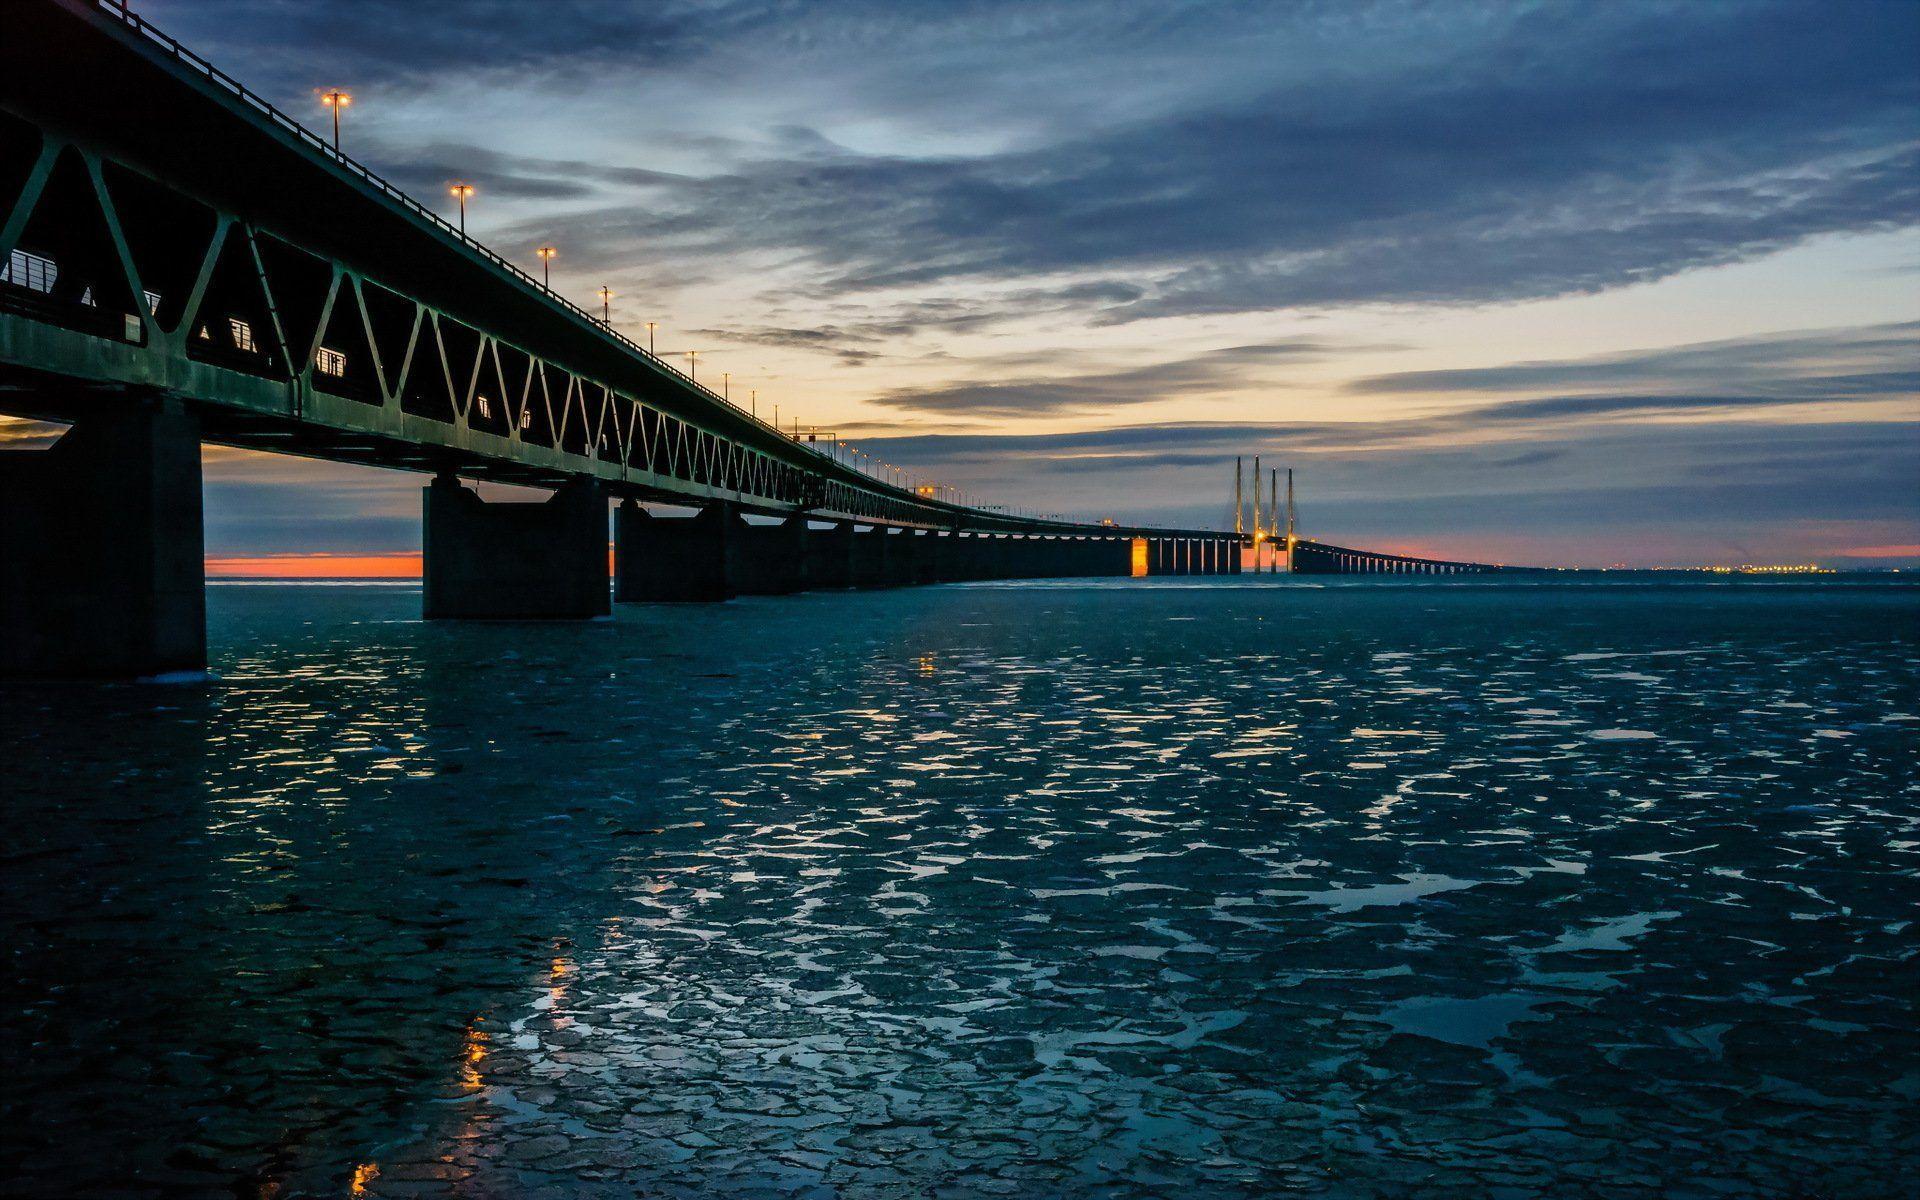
(1197, 888)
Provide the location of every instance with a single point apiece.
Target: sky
(1571, 284)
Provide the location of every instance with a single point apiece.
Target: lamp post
(651, 326)
(460, 192)
(606, 306)
(726, 381)
(693, 365)
(336, 100)
(546, 254)
(753, 404)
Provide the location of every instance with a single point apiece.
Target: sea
(1197, 887)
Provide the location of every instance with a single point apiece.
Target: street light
(606, 305)
(651, 326)
(753, 404)
(336, 100)
(726, 379)
(693, 365)
(546, 254)
(460, 192)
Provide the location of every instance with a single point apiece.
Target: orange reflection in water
(474, 1054)
(1138, 567)
(363, 1175)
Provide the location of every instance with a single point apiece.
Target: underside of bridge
(182, 263)
(101, 562)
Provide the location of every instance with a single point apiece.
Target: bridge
(185, 263)
(1308, 557)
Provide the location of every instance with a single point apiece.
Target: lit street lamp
(460, 192)
(336, 100)
(606, 306)
(546, 254)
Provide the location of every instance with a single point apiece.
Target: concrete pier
(543, 561)
(101, 550)
(876, 561)
(829, 563)
(767, 560)
(672, 559)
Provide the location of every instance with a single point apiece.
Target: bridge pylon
(101, 572)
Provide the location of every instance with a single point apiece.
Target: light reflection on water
(1006, 890)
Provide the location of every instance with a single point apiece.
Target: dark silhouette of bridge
(1308, 557)
(184, 263)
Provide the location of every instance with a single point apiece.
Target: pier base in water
(681, 560)
(767, 560)
(541, 561)
(101, 551)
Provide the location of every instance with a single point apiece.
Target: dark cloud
(1869, 360)
(425, 171)
(1460, 155)
(1213, 372)
(1586, 148)
(404, 43)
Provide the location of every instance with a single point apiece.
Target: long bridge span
(1309, 557)
(181, 262)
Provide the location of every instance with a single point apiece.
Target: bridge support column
(671, 559)
(102, 570)
(960, 557)
(1035, 558)
(922, 557)
(767, 560)
(830, 557)
(532, 562)
(873, 559)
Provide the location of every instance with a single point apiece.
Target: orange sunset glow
(399, 565)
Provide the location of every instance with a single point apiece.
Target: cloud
(400, 43)
(1579, 150)
(1862, 361)
(1376, 153)
(1212, 373)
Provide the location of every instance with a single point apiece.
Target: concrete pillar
(955, 557)
(671, 559)
(830, 557)
(919, 557)
(102, 571)
(767, 560)
(873, 559)
(544, 561)
(903, 557)
(1024, 558)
